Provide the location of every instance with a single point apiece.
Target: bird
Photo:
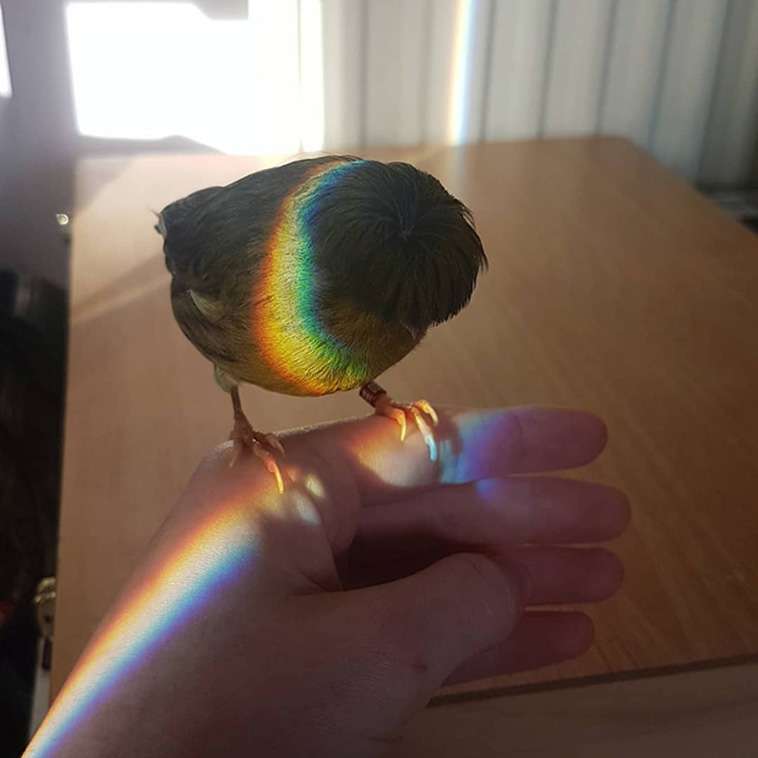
(316, 276)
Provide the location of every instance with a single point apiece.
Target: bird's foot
(417, 412)
(265, 446)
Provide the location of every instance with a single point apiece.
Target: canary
(315, 277)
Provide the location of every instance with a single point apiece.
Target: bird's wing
(212, 255)
(218, 234)
(193, 230)
(214, 242)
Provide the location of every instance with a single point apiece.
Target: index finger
(472, 445)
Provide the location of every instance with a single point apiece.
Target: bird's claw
(273, 441)
(399, 413)
(426, 407)
(269, 461)
(264, 446)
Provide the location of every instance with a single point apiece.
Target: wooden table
(613, 287)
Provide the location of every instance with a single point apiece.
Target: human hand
(319, 621)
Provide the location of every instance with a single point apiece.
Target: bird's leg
(384, 405)
(265, 446)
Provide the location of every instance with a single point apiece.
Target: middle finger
(508, 511)
(552, 574)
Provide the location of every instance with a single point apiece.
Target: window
(148, 70)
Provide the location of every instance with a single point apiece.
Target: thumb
(438, 618)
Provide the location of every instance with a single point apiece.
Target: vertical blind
(5, 76)
(678, 77)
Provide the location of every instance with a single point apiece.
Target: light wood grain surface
(697, 714)
(612, 287)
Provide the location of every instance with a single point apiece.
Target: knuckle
(493, 591)
(478, 569)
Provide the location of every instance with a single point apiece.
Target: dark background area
(32, 360)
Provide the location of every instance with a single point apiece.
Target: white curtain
(679, 77)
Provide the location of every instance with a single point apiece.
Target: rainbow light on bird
(285, 316)
(211, 556)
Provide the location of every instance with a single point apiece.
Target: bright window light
(148, 70)
(5, 75)
(461, 62)
(311, 75)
